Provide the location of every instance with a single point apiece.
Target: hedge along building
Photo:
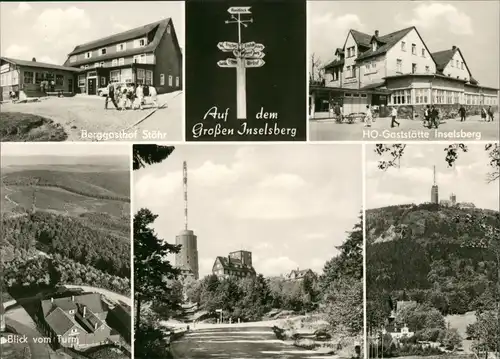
(397, 69)
(25, 78)
(148, 55)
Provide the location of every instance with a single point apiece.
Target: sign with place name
(254, 63)
(4, 68)
(247, 53)
(218, 310)
(227, 63)
(239, 10)
(237, 53)
(256, 55)
(248, 45)
(258, 47)
(227, 46)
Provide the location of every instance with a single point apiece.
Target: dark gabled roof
(388, 42)
(442, 58)
(92, 301)
(159, 27)
(60, 322)
(339, 51)
(336, 62)
(117, 38)
(361, 38)
(234, 264)
(89, 320)
(38, 64)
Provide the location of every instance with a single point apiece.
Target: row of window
(414, 67)
(138, 59)
(119, 47)
(413, 49)
(9, 78)
(402, 97)
(144, 77)
(37, 78)
(233, 273)
(351, 51)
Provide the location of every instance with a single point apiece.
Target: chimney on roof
(95, 326)
(52, 300)
(453, 47)
(72, 298)
(376, 33)
(33, 59)
(84, 311)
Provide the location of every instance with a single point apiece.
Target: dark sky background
(279, 86)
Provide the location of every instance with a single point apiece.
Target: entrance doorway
(70, 85)
(92, 87)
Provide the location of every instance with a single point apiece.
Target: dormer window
(374, 46)
(140, 42)
(102, 52)
(74, 330)
(88, 55)
(121, 47)
(72, 311)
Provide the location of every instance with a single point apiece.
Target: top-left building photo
(92, 71)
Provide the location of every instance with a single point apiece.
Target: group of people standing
(486, 115)
(124, 96)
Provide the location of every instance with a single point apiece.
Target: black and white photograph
(403, 71)
(92, 71)
(246, 71)
(65, 253)
(263, 247)
(432, 251)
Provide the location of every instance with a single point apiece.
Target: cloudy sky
(411, 183)
(288, 204)
(65, 149)
(473, 26)
(51, 30)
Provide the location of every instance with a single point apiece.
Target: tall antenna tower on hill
(434, 189)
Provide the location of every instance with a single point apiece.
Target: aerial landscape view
(433, 251)
(65, 251)
(264, 254)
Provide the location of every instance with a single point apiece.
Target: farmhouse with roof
(77, 321)
(236, 265)
(296, 275)
(148, 54)
(396, 69)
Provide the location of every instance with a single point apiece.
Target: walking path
(238, 342)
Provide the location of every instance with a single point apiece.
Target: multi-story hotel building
(397, 69)
(149, 54)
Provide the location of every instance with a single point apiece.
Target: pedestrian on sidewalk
(483, 114)
(394, 114)
(434, 117)
(490, 114)
(427, 116)
(368, 117)
(110, 95)
(462, 113)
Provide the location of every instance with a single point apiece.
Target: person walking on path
(427, 116)
(483, 114)
(434, 117)
(490, 114)
(394, 114)
(110, 95)
(368, 118)
(462, 113)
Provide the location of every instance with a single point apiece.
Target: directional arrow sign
(227, 63)
(256, 55)
(258, 47)
(247, 53)
(248, 45)
(254, 63)
(239, 10)
(237, 53)
(227, 46)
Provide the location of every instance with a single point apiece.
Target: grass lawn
(22, 127)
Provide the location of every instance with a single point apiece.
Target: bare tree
(317, 73)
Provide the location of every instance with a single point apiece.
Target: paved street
(329, 130)
(82, 112)
(238, 343)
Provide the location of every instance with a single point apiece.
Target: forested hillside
(429, 254)
(104, 185)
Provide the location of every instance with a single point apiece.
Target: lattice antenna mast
(434, 175)
(185, 185)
